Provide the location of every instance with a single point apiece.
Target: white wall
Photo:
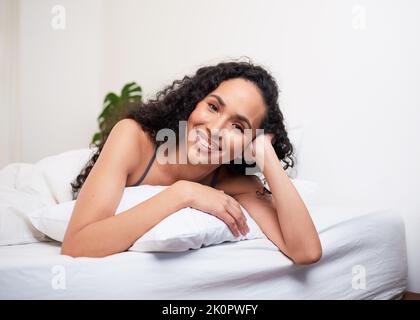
(60, 71)
(9, 21)
(355, 90)
(358, 94)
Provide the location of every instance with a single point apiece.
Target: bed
(364, 253)
(364, 257)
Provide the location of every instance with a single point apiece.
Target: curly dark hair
(176, 102)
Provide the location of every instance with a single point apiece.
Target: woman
(220, 103)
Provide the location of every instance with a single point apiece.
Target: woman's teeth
(205, 145)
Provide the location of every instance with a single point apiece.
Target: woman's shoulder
(133, 127)
(137, 139)
(233, 184)
(137, 132)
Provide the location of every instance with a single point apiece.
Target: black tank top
(212, 184)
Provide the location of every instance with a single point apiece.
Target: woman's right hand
(216, 203)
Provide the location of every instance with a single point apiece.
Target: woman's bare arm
(94, 230)
(295, 237)
(297, 228)
(117, 233)
(282, 216)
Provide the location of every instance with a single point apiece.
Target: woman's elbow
(308, 256)
(70, 248)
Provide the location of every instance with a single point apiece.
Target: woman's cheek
(198, 115)
(201, 114)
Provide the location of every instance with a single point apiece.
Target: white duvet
(364, 258)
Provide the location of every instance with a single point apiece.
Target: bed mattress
(364, 257)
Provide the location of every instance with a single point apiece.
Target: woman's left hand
(256, 148)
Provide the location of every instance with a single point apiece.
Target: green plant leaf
(111, 102)
(130, 90)
(114, 107)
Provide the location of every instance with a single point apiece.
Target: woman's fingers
(243, 228)
(236, 211)
(230, 222)
(231, 214)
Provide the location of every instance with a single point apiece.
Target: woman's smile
(202, 143)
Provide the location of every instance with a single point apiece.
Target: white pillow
(25, 187)
(61, 169)
(22, 190)
(185, 229)
(15, 227)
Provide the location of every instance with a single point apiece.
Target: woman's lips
(204, 140)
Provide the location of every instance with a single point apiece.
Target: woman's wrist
(182, 193)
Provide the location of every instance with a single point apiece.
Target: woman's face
(224, 121)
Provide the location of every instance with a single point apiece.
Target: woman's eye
(239, 127)
(212, 105)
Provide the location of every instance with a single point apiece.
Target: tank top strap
(214, 178)
(147, 169)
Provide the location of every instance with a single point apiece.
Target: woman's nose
(217, 124)
(215, 130)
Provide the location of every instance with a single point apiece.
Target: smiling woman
(226, 106)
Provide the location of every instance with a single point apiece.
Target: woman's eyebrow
(218, 99)
(237, 115)
(243, 118)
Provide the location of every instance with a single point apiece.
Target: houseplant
(115, 107)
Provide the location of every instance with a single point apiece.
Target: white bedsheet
(251, 269)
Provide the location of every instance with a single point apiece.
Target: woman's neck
(181, 168)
